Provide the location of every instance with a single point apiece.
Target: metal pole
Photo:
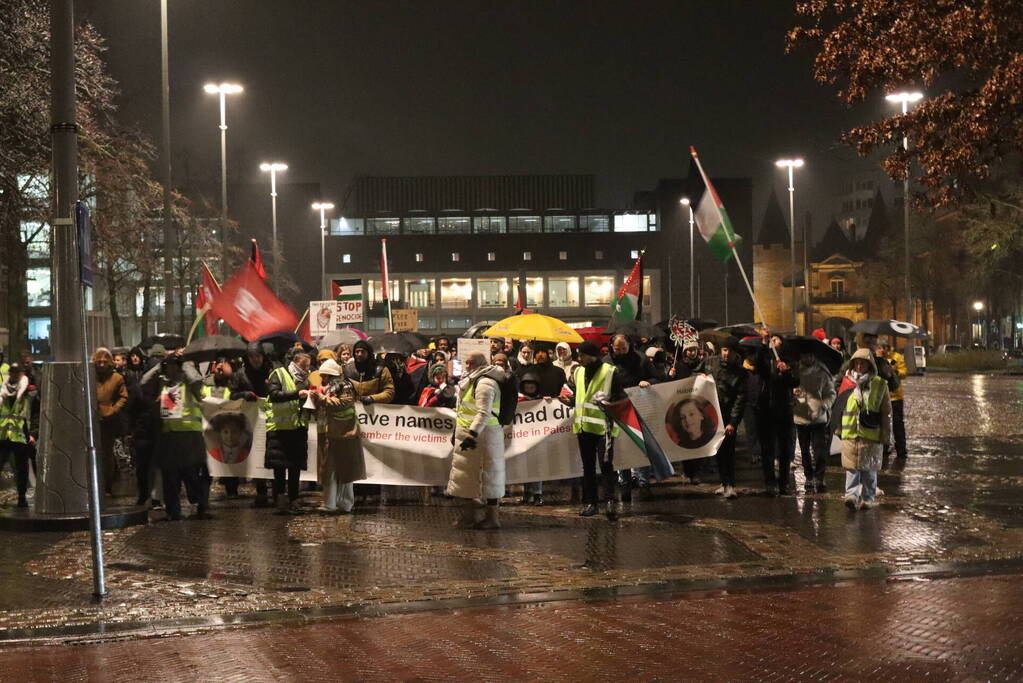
(792, 240)
(68, 296)
(168, 225)
(726, 293)
(808, 310)
(910, 353)
(273, 208)
(323, 254)
(223, 165)
(692, 271)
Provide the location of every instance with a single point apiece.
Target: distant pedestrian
(812, 415)
(865, 426)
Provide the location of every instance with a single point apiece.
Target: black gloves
(366, 400)
(469, 442)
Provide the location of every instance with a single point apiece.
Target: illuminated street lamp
(272, 167)
(692, 275)
(323, 208)
(223, 89)
(905, 99)
(792, 164)
(978, 306)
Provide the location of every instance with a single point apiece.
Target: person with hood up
(373, 382)
(595, 382)
(550, 377)
(530, 390)
(111, 397)
(180, 450)
(812, 414)
(339, 450)
(564, 359)
(864, 415)
(17, 432)
(322, 356)
(287, 429)
(143, 413)
(477, 462)
(730, 379)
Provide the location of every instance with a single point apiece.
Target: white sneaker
(730, 492)
(719, 491)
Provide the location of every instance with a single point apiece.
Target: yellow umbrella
(534, 327)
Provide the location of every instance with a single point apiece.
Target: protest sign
(683, 417)
(235, 436)
(348, 297)
(405, 319)
(321, 317)
(467, 346)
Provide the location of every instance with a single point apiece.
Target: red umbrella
(593, 334)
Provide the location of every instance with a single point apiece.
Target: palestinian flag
(630, 296)
(257, 260)
(711, 217)
(628, 420)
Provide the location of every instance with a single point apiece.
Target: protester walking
(730, 380)
(812, 414)
(865, 427)
(477, 464)
(596, 382)
(180, 450)
(775, 425)
(634, 369)
(340, 461)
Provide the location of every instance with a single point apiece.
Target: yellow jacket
(898, 362)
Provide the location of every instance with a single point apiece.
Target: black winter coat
(634, 368)
(730, 379)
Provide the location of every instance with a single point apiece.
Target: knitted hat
(330, 367)
(590, 349)
(437, 367)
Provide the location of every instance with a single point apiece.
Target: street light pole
(169, 241)
(224, 89)
(323, 207)
(792, 164)
(692, 276)
(273, 168)
(905, 98)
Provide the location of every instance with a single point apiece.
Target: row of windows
(498, 292)
(487, 225)
(456, 256)
(850, 205)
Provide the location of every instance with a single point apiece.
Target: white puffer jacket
(479, 472)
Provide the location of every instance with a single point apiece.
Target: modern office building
(458, 248)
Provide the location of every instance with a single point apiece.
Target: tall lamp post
(224, 89)
(791, 165)
(692, 274)
(323, 208)
(905, 99)
(272, 167)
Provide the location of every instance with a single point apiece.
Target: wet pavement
(949, 629)
(954, 504)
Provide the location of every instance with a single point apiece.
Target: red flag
(256, 260)
(208, 291)
(303, 331)
(247, 304)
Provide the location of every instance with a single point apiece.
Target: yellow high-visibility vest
(589, 417)
(851, 427)
(466, 412)
(284, 415)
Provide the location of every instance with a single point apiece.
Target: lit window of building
(563, 292)
(599, 290)
(534, 291)
(419, 294)
(346, 258)
(492, 292)
(455, 292)
(527, 256)
(375, 292)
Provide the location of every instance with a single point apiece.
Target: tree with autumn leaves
(966, 136)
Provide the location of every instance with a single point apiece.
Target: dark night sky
(339, 88)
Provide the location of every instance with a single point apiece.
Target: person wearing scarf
(864, 415)
(340, 457)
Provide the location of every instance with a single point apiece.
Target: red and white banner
(247, 304)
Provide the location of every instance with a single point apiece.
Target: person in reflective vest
(16, 435)
(865, 429)
(595, 382)
(477, 463)
(287, 429)
(180, 450)
(229, 383)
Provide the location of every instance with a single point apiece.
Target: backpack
(509, 386)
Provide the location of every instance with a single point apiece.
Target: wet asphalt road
(954, 503)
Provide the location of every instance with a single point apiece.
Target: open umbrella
(346, 335)
(892, 328)
(282, 340)
(213, 347)
(636, 329)
(795, 346)
(393, 342)
(415, 339)
(169, 340)
(593, 334)
(477, 330)
(716, 337)
(741, 330)
(534, 326)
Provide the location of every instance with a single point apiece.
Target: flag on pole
(248, 305)
(711, 218)
(257, 260)
(629, 304)
(625, 416)
(207, 294)
(385, 285)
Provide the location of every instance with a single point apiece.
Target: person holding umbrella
(812, 414)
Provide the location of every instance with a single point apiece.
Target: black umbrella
(414, 338)
(334, 338)
(213, 347)
(393, 342)
(716, 337)
(740, 331)
(636, 329)
(794, 347)
(477, 330)
(169, 340)
(282, 340)
(892, 328)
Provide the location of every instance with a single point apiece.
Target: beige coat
(339, 449)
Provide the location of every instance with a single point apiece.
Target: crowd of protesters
(782, 404)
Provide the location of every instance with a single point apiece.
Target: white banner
(321, 317)
(409, 445)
